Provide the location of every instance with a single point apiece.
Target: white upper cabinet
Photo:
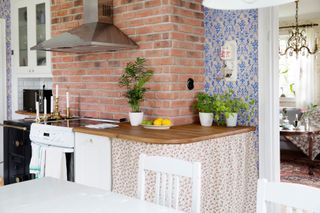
(31, 24)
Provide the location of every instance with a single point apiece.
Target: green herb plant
(134, 78)
(204, 103)
(219, 107)
(234, 105)
(226, 104)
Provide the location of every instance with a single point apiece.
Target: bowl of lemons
(158, 123)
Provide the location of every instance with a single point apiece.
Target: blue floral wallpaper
(242, 26)
(5, 13)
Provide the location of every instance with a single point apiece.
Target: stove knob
(18, 143)
(17, 179)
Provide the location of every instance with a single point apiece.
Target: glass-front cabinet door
(30, 26)
(41, 58)
(23, 37)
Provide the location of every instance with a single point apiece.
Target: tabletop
(308, 141)
(51, 196)
(312, 129)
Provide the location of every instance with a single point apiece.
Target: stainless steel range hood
(98, 34)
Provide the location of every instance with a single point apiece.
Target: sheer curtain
(307, 85)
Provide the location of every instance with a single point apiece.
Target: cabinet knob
(90, 140)
(18, 143)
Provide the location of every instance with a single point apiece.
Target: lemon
(166, 122)
(157, 122)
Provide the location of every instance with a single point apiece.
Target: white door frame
(269, 139)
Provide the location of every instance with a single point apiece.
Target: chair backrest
(293, 196)
(168, 171)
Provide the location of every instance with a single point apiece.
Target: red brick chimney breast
(170, 35)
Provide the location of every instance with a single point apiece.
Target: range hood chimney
(97, 34)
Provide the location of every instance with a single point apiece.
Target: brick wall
(170, 35)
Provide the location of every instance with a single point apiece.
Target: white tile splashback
(31, 83)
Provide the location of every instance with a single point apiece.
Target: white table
(48, 195)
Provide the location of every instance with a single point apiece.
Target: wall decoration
(229, 57)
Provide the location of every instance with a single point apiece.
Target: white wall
(2, 87)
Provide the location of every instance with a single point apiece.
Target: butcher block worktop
(176, 135)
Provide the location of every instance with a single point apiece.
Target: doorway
(269, 90)
(299, 96)
(3, 105)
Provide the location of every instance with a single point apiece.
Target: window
(289, 72)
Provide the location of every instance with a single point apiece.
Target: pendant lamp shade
(242, 4)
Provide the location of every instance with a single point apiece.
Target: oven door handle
(14, 127)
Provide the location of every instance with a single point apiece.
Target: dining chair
(168, 172)
(294, 197)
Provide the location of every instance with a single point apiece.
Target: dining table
(307, 140)
(49, 195)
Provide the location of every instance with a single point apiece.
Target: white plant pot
(206, 118)
(232, 120)
(136, 118)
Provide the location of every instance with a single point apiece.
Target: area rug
(294, 172)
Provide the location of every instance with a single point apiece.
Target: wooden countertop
(176, 135)
(21, 112)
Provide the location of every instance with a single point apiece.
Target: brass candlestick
(56, 114)
(38, 119)
(68, 116)
(45, 117)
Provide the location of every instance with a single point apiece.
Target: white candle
(57, 91)
(67, 95)
(45, 106)
(51, 104)
(37, 110)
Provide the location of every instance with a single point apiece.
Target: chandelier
(298, 40)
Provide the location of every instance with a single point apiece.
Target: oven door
(16, 152)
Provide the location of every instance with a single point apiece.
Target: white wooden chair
(304, 199)
(168, 171)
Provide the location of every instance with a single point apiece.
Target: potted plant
(218, 108)
(204, 106)
(134, 78)
(234, 105)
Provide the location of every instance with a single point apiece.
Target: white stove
(53, 146)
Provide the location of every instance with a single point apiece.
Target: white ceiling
(308, 9)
